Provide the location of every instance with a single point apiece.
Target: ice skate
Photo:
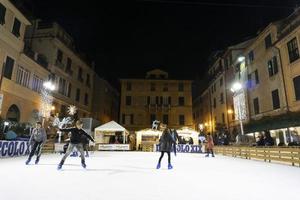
(27, 162)
(170, 166)
(158, 166)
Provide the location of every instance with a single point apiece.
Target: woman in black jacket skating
(166, 143)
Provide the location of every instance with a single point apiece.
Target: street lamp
(49, 86)
(237, 90)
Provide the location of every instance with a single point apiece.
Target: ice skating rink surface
(133, 176)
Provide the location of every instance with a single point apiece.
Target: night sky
(130, 37)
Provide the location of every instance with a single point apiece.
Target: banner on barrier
(13, 148)
(184, 148)
(114, 147)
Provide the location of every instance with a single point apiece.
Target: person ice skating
(75, 141)
(210, 145)
(37, 140)
(166, 144)
(85, 143)
(175, 137)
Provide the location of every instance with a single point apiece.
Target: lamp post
(237, 90)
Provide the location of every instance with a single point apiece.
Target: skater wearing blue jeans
(75, 141)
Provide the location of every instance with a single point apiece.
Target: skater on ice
(75, 141)
(166, 142)
(210, 146)
(36, 141)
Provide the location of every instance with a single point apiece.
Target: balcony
(37, 57)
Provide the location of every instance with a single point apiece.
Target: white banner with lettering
(114, 147)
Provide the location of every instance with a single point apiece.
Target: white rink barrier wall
(184, 148)
(13, 148)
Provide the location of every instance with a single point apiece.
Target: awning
(286, 120)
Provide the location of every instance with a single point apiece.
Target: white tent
(146, 132)
(109, 128)
(186, 131)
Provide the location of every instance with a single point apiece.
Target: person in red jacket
(210, 145)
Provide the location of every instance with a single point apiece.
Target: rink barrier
(268, 154)
(13, 148)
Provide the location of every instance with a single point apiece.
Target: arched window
(13, 113)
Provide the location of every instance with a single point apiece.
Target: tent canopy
(111, 126)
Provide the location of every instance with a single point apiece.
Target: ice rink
(132, 176)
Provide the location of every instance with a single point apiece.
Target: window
(59, 56)
(8, 67)
(156, 100)
(181, 120)
(268, 41)
(2, 14)
(215, 103)
(181, 101)
(88, 81)
(37, 83)
(251, 56)
(256, 106)
(69, 90)
(165, 88)
(256, 77)
(69, 66)
(166, 119)
(275, 99)
(77, 95)
(152, 87)
(221, 82)
(249, 81)
(170, 100)
(23, 76)
(273, 66)
(63, 87)
(79, 77)
(86, 99)
(180, 87)
(148, 100)
(297, 87)
(127, 119)
(128, 86)
(16, 28)
(293, 50)
(128, 101)
(152, 118)
(222, 98)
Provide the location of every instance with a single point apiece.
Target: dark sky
(127, 38)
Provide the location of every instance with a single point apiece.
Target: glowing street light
(241, 59)
(236, 87)
(229, 111)
(49, 86)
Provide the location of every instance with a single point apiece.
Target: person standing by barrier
(37, 140)
(75, 141)
(210, 146)
(165, 143)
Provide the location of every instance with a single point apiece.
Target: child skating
(75, 141)
(37, 140)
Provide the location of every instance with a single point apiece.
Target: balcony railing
(37, 57)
